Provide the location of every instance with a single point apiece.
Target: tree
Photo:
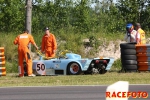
(81, 14)
(11, 15)
(28, 17)
(131, 9)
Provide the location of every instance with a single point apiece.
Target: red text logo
(127, 94)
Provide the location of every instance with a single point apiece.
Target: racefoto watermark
(139, 94)
(120, 91)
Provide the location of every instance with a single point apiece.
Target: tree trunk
(28, 22)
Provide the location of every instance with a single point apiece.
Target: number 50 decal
(41, 68)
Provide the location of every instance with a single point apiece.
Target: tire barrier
(128, 57)
(2, 62)
(143, 57)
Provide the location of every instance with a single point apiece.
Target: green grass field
(105, 79)
(74, 40)
(74, 43)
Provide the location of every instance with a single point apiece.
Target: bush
(65, 40)
(117, 65)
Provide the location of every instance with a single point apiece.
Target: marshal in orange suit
(23, 41)
(49, 44)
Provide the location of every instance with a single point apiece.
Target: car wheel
(25, 69)
(103, 71)
(74, 69)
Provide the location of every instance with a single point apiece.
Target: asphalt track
(62, 92)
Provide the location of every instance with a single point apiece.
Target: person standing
(23, 41)
(131, 36)
(141, 32)
(49, 44)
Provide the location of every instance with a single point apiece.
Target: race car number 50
(41, 68)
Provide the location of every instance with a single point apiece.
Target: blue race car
(71, 64)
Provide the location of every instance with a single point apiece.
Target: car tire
(103, 70)
(127, 45)
(129, 62)
(73, 68)
(128, 57)
(130, 67)
(25, 69)
(128, 52)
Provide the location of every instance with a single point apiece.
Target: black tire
(74, 69)
(25, 69)
(103, 70)
(130, 67)
(129, 62)
(128, 57)
(128, 52)
(127, 45)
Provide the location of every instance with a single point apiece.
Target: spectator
(131, 36)
(141, 32)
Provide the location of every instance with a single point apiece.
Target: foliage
(134, 11)
(71, 21)
(80, 16)
(117, 65)
(74, 43)
(12, 15)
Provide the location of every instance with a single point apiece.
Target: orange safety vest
(142, 36)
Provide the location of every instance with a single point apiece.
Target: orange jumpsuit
(23, 52)
(49, 44)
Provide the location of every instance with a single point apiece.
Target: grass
(71, 42)
(106, 79)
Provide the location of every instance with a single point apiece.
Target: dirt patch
(112, 50)
(107, 49)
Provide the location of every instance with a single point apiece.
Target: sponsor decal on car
(57, 61)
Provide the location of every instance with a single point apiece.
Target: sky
(115, 1)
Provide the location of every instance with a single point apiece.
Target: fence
(2, 62)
